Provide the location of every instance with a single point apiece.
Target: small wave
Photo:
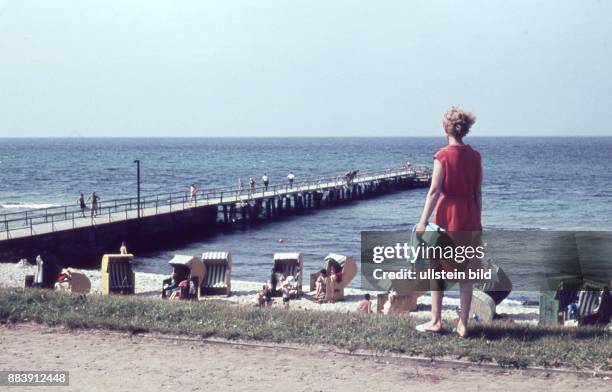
(29, 206)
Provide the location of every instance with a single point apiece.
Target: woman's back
(456, 209)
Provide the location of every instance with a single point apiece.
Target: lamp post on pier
(137, 162)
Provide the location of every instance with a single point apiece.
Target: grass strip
(508, 345)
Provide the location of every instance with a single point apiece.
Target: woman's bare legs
(435, 325)
(465, 302)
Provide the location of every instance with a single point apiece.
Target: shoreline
(12, 275)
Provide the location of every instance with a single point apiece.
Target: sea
(530, 183)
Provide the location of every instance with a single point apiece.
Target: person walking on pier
(193, 194)
(94, 203)
(81, 204)
(266, 181)
(290, 178)
(251, 186)
(455, 195)
(240, 186)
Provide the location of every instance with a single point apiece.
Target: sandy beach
(148, 284)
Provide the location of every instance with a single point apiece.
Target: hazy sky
(304, 68)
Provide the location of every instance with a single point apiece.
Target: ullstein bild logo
(534, 260)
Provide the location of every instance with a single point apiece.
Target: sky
(199, 68)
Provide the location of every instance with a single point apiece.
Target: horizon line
(302, 137)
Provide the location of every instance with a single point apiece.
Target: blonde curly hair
(457, 122)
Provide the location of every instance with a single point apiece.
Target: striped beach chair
(589, 299)
(335, 290)
(187, 268)
(290, 264)
(217, 273)
(117, 274)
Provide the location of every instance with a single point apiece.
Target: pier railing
(70, 216)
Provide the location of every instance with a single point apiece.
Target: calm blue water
(530, 183)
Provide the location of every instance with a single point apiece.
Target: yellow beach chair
(117, 274)
(334, 290)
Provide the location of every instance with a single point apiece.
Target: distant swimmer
(81, 204)
(290, 178)
(265, 180)
(94, 203)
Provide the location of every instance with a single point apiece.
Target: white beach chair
(217, 274)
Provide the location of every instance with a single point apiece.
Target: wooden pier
(147, 221)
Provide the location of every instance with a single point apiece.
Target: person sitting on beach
(336, 273)
(321, 285)
(171, 286)
(365, 305)
(259, 300)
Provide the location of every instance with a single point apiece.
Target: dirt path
(100, 361)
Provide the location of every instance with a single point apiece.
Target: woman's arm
(437, 179)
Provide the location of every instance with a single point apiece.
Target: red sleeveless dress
(456, 209)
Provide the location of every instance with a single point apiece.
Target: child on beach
(285, 284)
(365, 305)
(321, 285)
(259, 300)
(389, 307)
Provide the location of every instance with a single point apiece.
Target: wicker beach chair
(217, 278)
(79, 283)
(403, 303)
(290, 264)
(117, 274)
(188, 268)
(334, 290)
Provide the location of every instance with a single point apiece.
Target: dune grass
(508, 345)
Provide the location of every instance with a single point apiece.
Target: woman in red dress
(455, 194)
